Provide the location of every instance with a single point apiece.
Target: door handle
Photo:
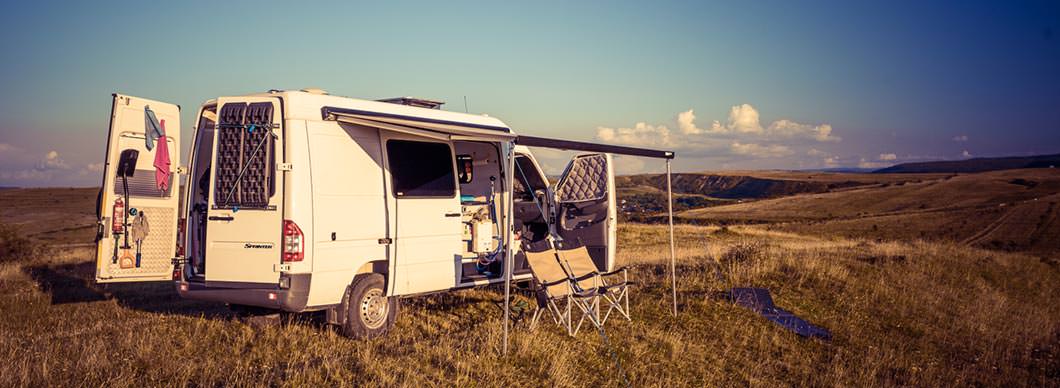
(452, 214)
(220, 218)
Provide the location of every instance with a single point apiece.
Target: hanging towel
(162, 160)
(152, 129)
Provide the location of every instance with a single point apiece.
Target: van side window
(421, 169)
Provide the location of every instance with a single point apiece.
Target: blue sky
(791, 86)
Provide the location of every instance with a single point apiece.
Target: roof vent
(413, 101)
(315, 91)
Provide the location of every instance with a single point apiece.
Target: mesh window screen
(244, 156)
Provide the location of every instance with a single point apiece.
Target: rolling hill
(1009, 210)
(975, 165)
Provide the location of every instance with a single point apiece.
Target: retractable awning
(533, 141)
(421, 126)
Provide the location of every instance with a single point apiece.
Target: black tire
(369, 312)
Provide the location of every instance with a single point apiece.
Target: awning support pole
(508, 225)
(673, 252)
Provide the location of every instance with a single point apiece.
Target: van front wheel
(369, 312)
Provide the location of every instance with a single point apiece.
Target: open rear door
(585, 207)
(158, 207)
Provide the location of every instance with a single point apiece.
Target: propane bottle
(118, 226)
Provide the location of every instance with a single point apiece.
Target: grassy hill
(644, 196)
(975, 165)
(1013, 210)
(759, 184)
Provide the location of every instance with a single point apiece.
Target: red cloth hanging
(162, 160)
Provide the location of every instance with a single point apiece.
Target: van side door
(425, 208)
(137, 209)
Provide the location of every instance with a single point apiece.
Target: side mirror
(127, 162)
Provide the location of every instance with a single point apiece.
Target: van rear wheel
(369, 312)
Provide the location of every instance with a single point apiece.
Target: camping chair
(553, 286)
(580, 267)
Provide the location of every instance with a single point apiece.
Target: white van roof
(314, 106)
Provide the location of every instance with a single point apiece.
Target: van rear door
(245, 214)
(144, 198)
(585, 207)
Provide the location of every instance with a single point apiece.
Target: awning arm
(534, 141)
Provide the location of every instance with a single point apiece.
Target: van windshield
(529, 180)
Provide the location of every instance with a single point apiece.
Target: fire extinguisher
(119, 216)
(118, 226)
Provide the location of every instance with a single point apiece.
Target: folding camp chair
(552, 286)
(580, 267)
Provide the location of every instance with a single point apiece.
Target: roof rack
(413, 101)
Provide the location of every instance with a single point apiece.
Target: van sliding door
(425, 212)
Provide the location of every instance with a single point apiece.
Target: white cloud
(94, 167)
(966, 154)
(762, 151)
(784, 127)
(52, 161)
(888, 157)
(686, 122)
(642, 134)
(960, 138)
(831, 161)
(741, 134)
(4, 147)
(744, 118)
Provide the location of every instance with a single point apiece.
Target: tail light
(293, 244)
(181, 228)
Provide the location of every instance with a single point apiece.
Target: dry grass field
(909, 311)
(1014, 210)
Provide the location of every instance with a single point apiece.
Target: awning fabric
(533, 141)
(419, 126)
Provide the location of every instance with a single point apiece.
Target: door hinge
(283, 166)
(386, 241)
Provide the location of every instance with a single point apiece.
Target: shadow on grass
(73, 283)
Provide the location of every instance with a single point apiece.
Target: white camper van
(303, 201)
